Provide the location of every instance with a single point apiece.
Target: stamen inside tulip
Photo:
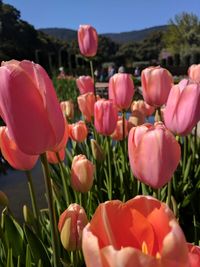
(144, 248)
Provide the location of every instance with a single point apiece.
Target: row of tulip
(140, 232)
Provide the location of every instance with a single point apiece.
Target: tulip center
(144, 250)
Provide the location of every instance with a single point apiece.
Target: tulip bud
(28, 215)
(97, 151)
(67, 109)
(78, 131)
(120, 128)
(121, 90)
(82, 171)
(70, 225)
(137, 118)
(87, 40)
(142, 107)
(85, 84)
(194, 72)
(3, 199)
(86, 105)
(156, 85)
(53, 158)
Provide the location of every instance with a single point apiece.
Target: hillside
(123, 37)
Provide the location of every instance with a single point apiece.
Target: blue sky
(105, 15)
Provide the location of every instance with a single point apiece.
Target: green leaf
(14, 235)
(187, 169)
(28, 256)
(10, 259)
(37, 248)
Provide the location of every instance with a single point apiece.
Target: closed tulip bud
(70, 225)
(154, 154)
(82, 171)
(156, 85)
(29, 107)
(137, 118)
(56, 157)
(97, 151)
(87, 40)
(63, 141)
(142, 107)
(118, 132)
(11, 152)
(28, 215)
(85, 84)
(142, 232)
(67, 109)
(182, 110)
(78, 131)
(121, 90)
(105, 116)
(86, 105)
(194, 72)
(3, 199)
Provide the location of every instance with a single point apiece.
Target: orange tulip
(85, 84)
(121, 90)
(154, 154)
(194, 72)
(29, 107)
(137, 118)
(142, 232)
(194, 255)
(53, 158)
(87, 40)
(78, 131)
(70, 225)
(86, 105)
(118, 132)
(67, 109)
(82, 172)
(142, 107)
(156, 85)
(15, 157)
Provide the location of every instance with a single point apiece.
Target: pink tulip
(53, 158)
(182, 110)
(15, 157)
(142, 107)
(121, 90)
(194, 255)
(78, 131)
(67, 109)
(85, 84)
(70, 225)
(154, 154)
(194, 72)
(142, 232)
(63, 141)
(118, 132)
(105, 116)
(137, 118)
(86, 105)
(156, 85)
(29, 107)
(82, 172)
(87, 40)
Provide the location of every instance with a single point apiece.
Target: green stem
(169, 193)
(109, 169)
(124, 131)
(32, 195)
(62, 171)
(52, 215)
(92, 74)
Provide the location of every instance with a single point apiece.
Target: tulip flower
(67, 109)
(14, 156)
(194, 72)
(97, 151)
(70, 225)
(105, 116)
(137, 118)
(29, 107)
(82, 172)
(78, 131)
(86, 105)
(156, 85)
(53, 158)
(194, 255)
(182, 110)
(142, 232)
(142, 107)
(85, 84)
(121, 90)
(154, 154)
(87, 40)
(118, 132)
